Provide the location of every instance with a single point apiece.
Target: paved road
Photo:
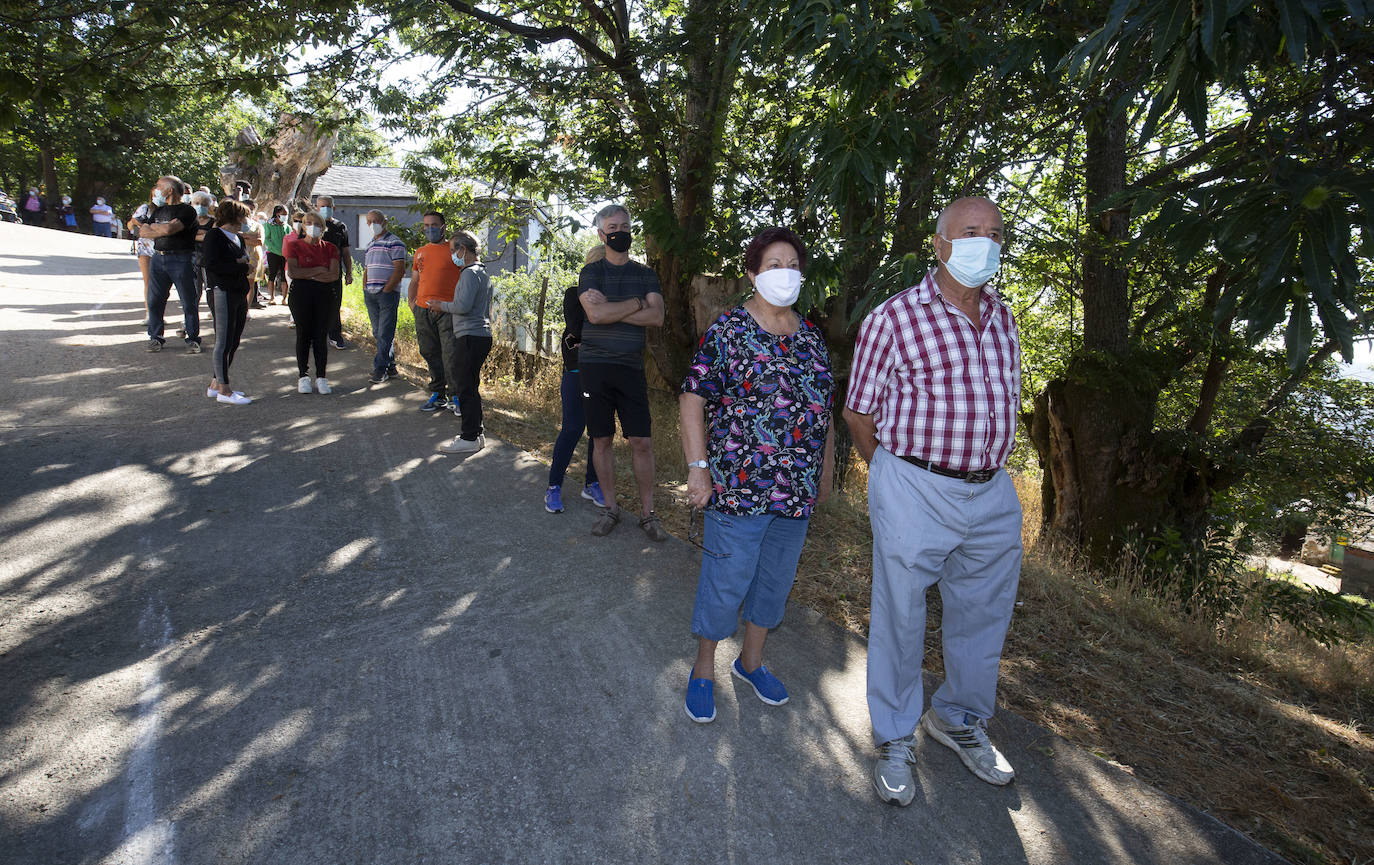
(292, 633)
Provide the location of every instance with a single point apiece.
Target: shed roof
(364, 181)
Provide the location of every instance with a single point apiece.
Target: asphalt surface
(293, 633)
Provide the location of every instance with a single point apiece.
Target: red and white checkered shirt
(940, 390)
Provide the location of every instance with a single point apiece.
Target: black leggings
(311, 304)
(231, 314)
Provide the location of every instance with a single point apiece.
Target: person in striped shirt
(932, 406)
(384, 264)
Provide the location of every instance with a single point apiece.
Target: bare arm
(346, 256)
(651, 315)
(692, 417)
(864, 430)
(398, 270)
(155, 230)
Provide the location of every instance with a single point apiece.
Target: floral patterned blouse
(768, 410)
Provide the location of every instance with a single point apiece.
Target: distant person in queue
(384, 266)
(470, 319)
(932, 405)
(102, 218)
(204, 203)
(311, 264)
(336, 232)
(758, 435)
(143, 249)
(435, 278)
(574, 420)
(621, 298)
(227, 256)
(172, 228)
(273, 235)
(32, 207)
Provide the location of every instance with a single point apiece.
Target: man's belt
(172, 251)
(981, 476)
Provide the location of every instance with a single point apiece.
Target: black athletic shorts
(610, 389)
(276, 267)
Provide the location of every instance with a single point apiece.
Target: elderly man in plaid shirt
(932, 406)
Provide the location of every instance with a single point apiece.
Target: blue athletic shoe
(766, 686)
(701, 700)
(436, 402)
(553, 500)
(592, 493)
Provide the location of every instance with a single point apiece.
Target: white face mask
(314, 230)
(100, 201)
(459, 260)
(377, 228)
(973, 260)
(779, 286)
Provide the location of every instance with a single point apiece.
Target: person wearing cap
(932, 406)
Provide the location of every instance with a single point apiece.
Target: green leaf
(1297, 337)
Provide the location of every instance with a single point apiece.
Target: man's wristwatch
(697, 464)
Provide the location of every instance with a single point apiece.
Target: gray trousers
(434, 339)
(929, 529)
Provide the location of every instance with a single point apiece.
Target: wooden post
(539, 317)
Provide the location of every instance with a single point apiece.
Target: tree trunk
(1105, 474)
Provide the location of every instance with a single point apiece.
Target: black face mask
(619, 241)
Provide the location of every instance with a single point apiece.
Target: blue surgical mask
(202, 210)
(973, 260)
(458, 259)
(434, 233)
(159, 199)
(326, 212)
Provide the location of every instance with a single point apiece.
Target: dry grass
(1262, 727)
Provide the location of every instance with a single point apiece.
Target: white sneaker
(321, 385)
(212, 392)
(460, 445)
(235, 398)
(303, 386)
(892, 771)
(972, 745)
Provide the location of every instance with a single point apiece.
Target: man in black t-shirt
(621, 298)
(172, 227)
(336, 232)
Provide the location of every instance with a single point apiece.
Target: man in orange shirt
(435, 277)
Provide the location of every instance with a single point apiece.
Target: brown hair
(753, 253)
(230, 212)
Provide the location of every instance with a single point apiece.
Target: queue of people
(931, 406)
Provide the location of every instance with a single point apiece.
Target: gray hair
(607, 212)
(465, 240)
(200, 196)
(381, 217)
(321, 198)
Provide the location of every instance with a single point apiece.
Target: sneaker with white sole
(303, 386)
(193, 348)
(212, 392)
(766, 685)
(235, 398)
(321, 385)
(553, 500)
(973, 746)
(892, 771)
(592, 493)
(460, 445)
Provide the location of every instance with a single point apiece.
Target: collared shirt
(939, 389)
(384, 254)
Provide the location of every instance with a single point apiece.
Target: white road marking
(147, 839)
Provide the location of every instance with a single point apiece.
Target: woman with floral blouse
(757, 434)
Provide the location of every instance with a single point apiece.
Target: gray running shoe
(193, 348)
(606, 523)
(154, 345)
(972, 745)
(653, 528)
(892, 771)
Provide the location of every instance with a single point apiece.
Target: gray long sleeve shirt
(471, 304)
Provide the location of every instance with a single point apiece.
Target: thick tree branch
(543, 35)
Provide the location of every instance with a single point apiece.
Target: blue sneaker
(592, 493)
(701, 700)
(553, 500)
(436, 402)
(766, 686)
